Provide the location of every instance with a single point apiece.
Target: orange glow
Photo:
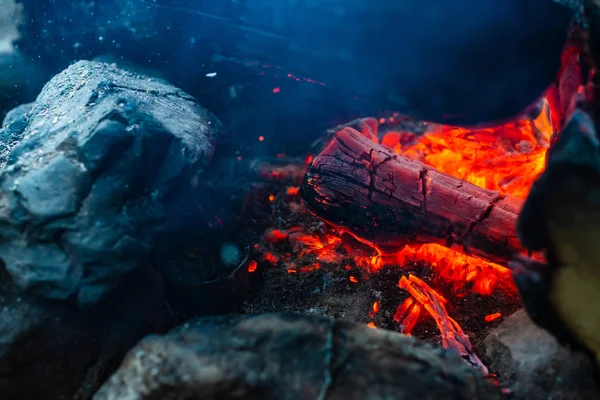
(507, 158)
(272, 258)
(252, 266)
(292, 190)
(453, 336)
(376, 263)
(407, 315)
(275, 235)
(310, 268)
(372, 325)
(457, 268)
(374, 310)
(261, 138)
(492, 317)
(353, 279)
(271, 198)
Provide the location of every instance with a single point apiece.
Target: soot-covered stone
(53, 351)
(534, 365)
(92, 178)
(289, 357)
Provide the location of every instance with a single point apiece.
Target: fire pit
(163, 239)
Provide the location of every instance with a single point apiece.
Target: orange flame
(456, 269)
(507, 158)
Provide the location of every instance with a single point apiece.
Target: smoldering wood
(392, 201)
(288, 357)
(453, 336)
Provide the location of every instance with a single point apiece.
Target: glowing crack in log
(391, 201)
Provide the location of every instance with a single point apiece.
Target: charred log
(391, 201)
(288, 357)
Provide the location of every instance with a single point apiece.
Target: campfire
(207, 200)
(432, 207)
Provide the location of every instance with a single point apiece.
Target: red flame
(507, 158)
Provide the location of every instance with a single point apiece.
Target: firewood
(390, 201)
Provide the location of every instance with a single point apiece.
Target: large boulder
(289, 357)
(94, 178)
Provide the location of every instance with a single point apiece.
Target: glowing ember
(375, 310)
(275, 235)
(452, 335)
(252, 266)
(272, 258)
(456, 269)
(507, 158)
(492, 317)
(292, 191)
(407, 314)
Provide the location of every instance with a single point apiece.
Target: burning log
(390, 201)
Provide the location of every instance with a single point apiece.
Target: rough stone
(50, 351)
(93, 176)
(291, 356)
(19, 112)
(534, 366)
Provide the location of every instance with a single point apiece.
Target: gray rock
(291, 357)
(19, 112)
(531, 362)
(52, 351)
(92, 179)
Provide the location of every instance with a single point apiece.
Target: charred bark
(391, 201)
